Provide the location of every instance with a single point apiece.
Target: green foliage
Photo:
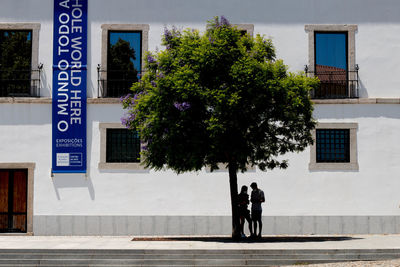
(15, 54)
(219, 97)
(15, 62)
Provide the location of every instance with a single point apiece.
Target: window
(332, 60)
(19, 70)
(335, 147)
(119, 147)
(123, 48)
(123, 145)
(245, 28)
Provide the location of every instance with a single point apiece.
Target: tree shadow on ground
(266, 239)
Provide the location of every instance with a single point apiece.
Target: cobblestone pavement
(389, 263)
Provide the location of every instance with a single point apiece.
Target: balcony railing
(20, 83)
(335, 84)
(115, 83)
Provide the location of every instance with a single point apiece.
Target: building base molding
(210, 225)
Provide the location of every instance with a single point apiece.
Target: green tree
(121, 72)
(219, 97)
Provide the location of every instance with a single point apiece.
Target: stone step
(188, 257)
(198, 251)
(67, 256)
(112, 263)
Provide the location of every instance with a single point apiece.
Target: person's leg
(254, 219)
(250, 224)
(242, 225)
(260, 227)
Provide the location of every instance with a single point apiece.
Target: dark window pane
(123, 61)
(331, 64)
(337, 148)
(122, 145)
(15, 63)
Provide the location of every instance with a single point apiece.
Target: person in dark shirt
(257, 197)
(244, 213)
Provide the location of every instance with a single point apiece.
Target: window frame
(350, 29)
(106, 28)
(103, 164)
(345, 166)
(249, 28)
(30, 167)
(35, 29)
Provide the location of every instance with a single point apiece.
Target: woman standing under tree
(244, 213)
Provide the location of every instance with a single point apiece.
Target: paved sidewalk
(269, 242)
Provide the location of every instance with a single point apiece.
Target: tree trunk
(234, 202)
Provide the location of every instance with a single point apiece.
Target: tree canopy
(219, 97)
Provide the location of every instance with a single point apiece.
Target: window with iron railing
(123, 145)
(20, 83)
(115, 83)
(17, 77)
(123, 65)
(334, 83)
(332, 58)
(333, 145)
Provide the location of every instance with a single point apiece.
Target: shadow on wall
(255, 11)
(362, 90)
(346, 111)
(61, 181)
(45, 87)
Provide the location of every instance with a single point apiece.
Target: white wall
(25, 134)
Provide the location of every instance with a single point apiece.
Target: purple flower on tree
(182, 106)
(150, 59)
(153, 83)
(224, 21)
(124, 98)
(127, 119)
(167, 34)
(124, 121)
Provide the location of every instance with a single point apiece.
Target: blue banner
(69, 86)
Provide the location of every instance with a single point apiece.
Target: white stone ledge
(103, 101)
(48, 100)
(25, 100)
(122, 166)
(351, 166)
(357, 101)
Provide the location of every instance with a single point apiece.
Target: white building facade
(354, 195)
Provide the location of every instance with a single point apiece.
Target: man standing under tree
(257, 197)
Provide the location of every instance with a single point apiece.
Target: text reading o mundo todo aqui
(69, 50)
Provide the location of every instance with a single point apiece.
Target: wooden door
(13, 200)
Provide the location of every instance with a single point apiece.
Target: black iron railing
(115, 83)
(20, 83)
(335, 84)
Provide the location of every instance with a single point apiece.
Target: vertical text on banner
(69, 86)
